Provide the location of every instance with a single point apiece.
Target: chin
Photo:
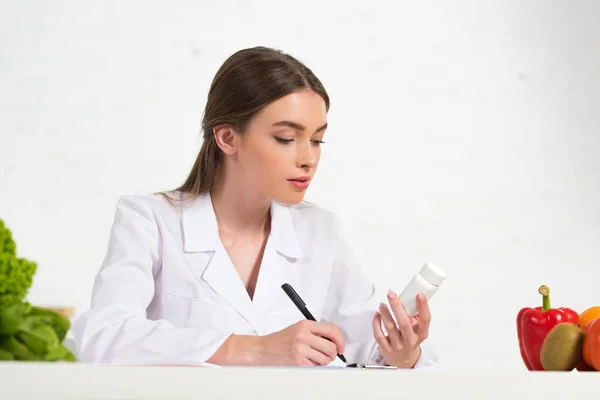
(289, 199)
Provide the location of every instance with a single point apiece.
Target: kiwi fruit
(562, 347)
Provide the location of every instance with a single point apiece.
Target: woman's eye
(282, 140)
(286, 141)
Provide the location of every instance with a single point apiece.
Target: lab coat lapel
(201, 234)
(221, 275)
(281, 255)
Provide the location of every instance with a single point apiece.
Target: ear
(226, 138)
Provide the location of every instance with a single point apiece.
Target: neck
(239, 207)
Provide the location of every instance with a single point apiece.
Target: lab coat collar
(283, 232)
(201, 233)
(199, 225)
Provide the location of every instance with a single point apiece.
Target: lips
(300, 179)
(300, 183)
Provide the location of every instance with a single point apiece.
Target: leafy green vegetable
(7, 244)
(27, 333)
(19, 350)
(16, 276)
(11, 318)
(60, 324)
(6, 356)
(40, 339)
(59, 353)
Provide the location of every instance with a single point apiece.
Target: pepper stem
(545, 292)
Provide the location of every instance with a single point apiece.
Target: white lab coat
(167, 292)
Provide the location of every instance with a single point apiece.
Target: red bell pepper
(533, 325)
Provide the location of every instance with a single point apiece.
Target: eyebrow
(297, 126)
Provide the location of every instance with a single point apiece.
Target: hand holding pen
(301, 305)
(305, 343)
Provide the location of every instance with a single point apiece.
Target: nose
(306, 155)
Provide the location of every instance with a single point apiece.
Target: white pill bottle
(426, 281)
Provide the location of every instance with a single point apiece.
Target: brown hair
(247, 81)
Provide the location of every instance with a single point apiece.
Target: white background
(461, 133)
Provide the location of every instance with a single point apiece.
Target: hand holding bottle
(401, 346)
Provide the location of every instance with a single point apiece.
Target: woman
(194, 275)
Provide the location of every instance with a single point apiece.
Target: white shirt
(168, 293)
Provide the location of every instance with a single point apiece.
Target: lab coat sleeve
(115, 329)
(351, 304)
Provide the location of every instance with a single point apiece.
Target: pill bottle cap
(433, 274)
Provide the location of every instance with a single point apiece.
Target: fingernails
(421, 297)
(391, 294)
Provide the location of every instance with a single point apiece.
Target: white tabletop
(26, 380)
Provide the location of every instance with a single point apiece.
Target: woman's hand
(401, 347)
(302, 343)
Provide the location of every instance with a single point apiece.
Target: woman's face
(280, 150)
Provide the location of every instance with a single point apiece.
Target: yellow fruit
(589, 315)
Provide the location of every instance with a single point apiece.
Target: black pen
(289, 290)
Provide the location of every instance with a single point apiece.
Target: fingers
(405, 325)
(413, 320)
(309, 349)
(304, 355)
(315, 356)
(390, 326)
(328, 331)
(380, 338)
(422, 326)
(323, 346)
